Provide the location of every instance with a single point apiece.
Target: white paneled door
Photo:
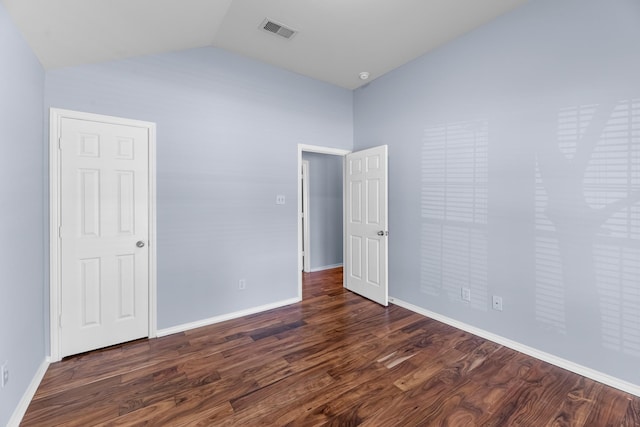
(366, 224)
(104, 234)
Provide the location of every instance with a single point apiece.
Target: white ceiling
(336, 39)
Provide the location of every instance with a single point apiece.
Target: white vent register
(277, 29)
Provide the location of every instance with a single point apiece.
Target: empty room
(279, 212)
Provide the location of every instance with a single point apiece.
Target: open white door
(366, 256)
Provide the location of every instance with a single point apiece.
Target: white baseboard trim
(21, 409)
(325, 267)
(224, 317)
(530, 351)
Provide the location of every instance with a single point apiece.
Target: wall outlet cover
(497, 303)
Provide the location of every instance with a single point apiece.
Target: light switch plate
(4, 375)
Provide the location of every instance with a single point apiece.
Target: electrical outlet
(497, 303)
(280, 199)
(242, 284)
(466, 294)
(4, 374)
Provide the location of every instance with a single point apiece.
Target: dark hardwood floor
(335, 359)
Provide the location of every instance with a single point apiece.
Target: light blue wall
(325, 206)
(515, 171)
(228, 129)
(22, 213)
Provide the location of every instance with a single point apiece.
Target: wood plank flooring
(335, 359)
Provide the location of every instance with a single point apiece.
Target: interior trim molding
(27, 397)
(530, 351)
(325, 267)
(224, 317)
(321, 150)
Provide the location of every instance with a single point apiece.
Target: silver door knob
(140, 244)
(380, 233)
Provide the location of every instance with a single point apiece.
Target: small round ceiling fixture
(364, 75)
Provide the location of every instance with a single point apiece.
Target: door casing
(304, 213)
(55, 116)
(321, 150)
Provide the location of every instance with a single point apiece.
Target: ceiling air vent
(278, 29)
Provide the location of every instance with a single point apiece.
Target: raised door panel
(125, 202)
(355, 258)
(89, 202)
(355, 202)
(90, 296)
(373, 202)
(126, 278)
(373, 262)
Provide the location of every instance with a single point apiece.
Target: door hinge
(60, 231)
(60, 143)
(60, 320)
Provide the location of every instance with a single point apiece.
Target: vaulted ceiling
(335, 40)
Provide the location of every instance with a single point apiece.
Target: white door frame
(55, 116)
(321, 150)
(305, 215)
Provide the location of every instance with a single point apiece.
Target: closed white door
(104, 234)
(366, 225)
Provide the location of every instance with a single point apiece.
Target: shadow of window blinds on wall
(454, 210)
(595, 201)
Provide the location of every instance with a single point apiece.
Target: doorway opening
(322, 212)
(364, 220)
(306, 221)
